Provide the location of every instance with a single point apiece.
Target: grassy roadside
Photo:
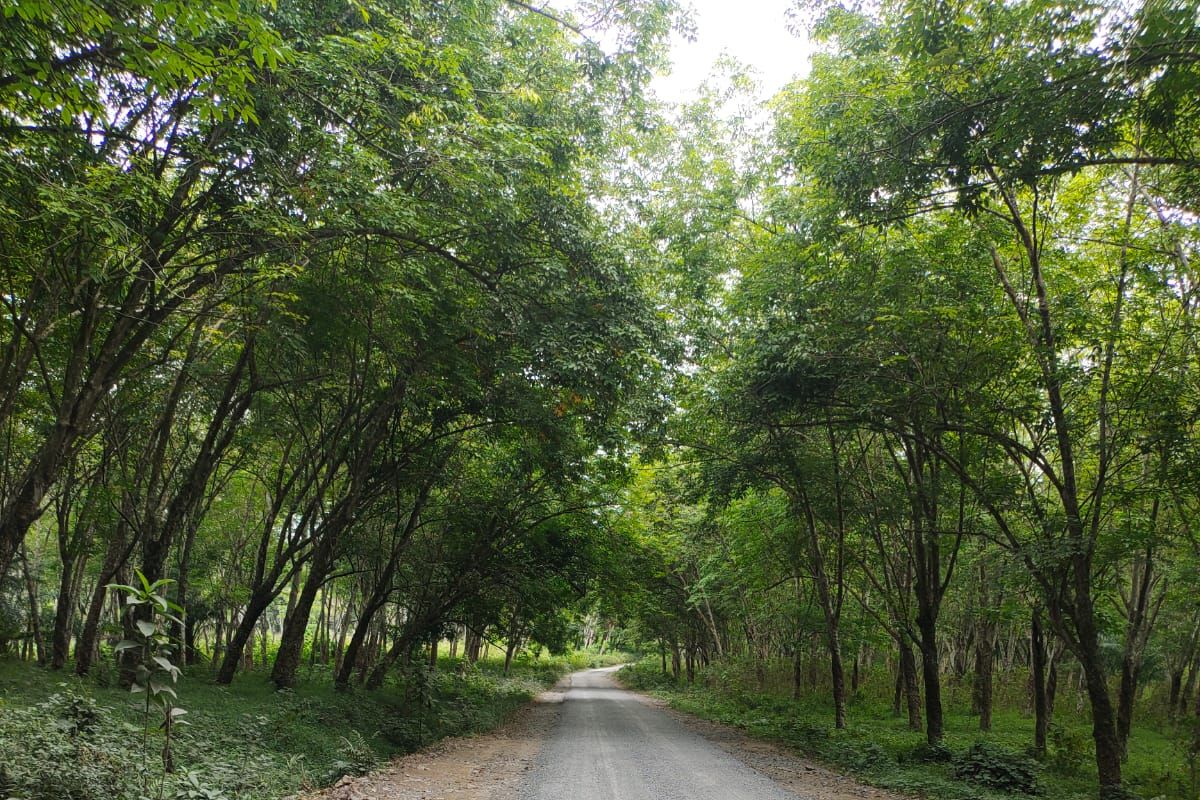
(880, 750)
(66, 737)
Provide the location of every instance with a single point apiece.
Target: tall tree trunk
(343, 626)
(1141, 611)
(64, 610)
(352, 659)
(35, 616)
(985, 649)
(1041, 704)
(235, 647)
(1104, 722)
(912, 690)
(186, 631)
(291, 641)
(1189, 686)
(513, 641)
(931, 678)
(831, 614)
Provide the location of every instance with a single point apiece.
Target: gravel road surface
(610, 744)
(589, 739)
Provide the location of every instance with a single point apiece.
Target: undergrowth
(66, 738)
(878, 747)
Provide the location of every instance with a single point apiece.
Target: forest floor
(639, 745)
(487, 766)
(63, 736)
(879, 749)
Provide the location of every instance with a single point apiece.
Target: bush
(1070, 749)
(357, 757)
(926, 753)
(66, 747)
(609, 659)
(996, 768)
(866, 757)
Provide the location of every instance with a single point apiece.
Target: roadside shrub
(646, 675)
(357, 757)
(996, 768)
(926, 753)
(808, 736)
(66, 748)
(1119, 793)
(867, 757)
(403, 732)
(609, 659)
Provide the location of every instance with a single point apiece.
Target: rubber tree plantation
(367, 366)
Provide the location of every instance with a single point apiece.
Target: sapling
(156, 674)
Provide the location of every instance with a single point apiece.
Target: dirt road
(592, 740)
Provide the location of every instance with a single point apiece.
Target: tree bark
(1041, 706)
(235, 648)
(35, 617)
(912, 691)
(64, 609)
(291, 641)
(931, 678)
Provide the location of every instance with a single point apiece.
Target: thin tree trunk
(1041, 704)
(912, 690)
(64, 610)
(985, 648)
(35, 616)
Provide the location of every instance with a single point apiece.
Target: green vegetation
(65, 736)
(363, 334)
(879, 747)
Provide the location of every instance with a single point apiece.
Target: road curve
(610, 744)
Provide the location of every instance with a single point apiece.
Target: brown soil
(486, 767)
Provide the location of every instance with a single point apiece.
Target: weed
(988, 765)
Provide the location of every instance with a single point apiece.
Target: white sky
(754, 32)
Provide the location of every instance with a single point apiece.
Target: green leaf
(161, 689)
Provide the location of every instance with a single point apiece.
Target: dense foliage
(373, 328)
(939, 403)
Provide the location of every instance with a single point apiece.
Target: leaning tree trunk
(235, 648)
(87, 645)
(353, 654)
(291, 642)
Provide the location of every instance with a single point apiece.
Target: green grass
(880, 749)
(242, 741)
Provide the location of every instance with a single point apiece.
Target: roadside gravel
(590, 739)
